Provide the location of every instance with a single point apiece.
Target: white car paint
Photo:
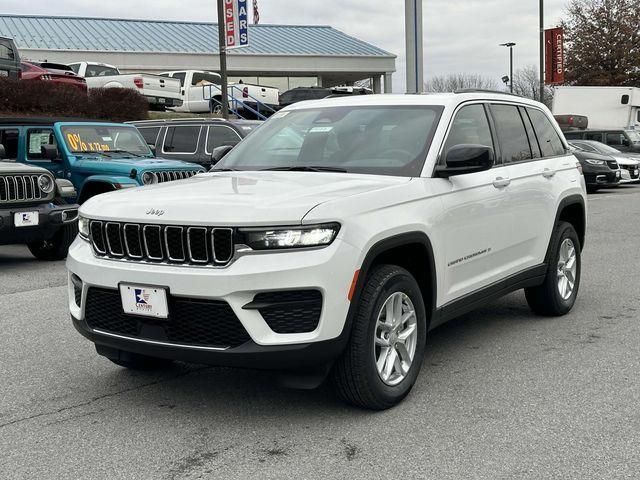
(507, 214)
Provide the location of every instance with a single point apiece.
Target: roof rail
(486, 90)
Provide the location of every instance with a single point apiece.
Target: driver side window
(470, 126)
(36, 138)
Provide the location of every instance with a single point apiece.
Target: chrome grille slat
(165, 244)
(20, 188)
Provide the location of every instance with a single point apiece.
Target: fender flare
(114, 182)
(567, 201)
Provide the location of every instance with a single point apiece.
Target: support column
(388, 82)
(414, 39)
(377, 84)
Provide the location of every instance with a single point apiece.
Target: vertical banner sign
(554, 56)
(236, 23)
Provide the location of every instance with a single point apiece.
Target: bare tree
(459, 81)
(603, 42)
(526, 83)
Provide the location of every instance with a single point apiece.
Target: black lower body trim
(531, 277)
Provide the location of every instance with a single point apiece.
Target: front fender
(117, 182)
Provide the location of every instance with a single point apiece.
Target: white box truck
(609, 108)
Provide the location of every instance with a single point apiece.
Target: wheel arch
(572, 209)
(94, 187)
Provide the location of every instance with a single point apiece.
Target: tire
(141, 362)
(547, 298)
(58, 246)
(355, 375)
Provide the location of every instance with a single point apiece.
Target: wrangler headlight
(290, 237)
(45, 182)
(149, 178)
(83, 227)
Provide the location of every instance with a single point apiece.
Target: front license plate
(146, 301)
(25, 219)
(161, 100)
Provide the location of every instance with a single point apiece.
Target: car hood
(234, 198)
(626, 160)
(141, 164)
(11, 168)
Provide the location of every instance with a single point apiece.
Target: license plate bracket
(26, 219)
(145, 300)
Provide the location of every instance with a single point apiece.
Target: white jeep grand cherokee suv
(331, 241)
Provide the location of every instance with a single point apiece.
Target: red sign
(554, 56)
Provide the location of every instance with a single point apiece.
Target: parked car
(52, 72)
(600, 171)
(160, 92)
(572, 122)
(34, 210)
(628, 162)
(622, 140)
(301, 94)
(193, 140)
(335, 255)
(97, 157)
(9, 59)
(606, 107)
(198, 87)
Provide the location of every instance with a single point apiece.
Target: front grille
(163, 243)
(171, 175)
(20, 188)
(295, 311)
(613, 165)
(194, 322)
(631, 169)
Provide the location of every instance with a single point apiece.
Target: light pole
(510, 45)
(222, 45)
(414, 39)
(542, 51)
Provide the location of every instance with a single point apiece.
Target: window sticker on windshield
(107, 139)
(77, 144)
(320, 129)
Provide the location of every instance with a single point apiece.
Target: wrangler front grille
(163, 243)
(169, 176)
(20, 188)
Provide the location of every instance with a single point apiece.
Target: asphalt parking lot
(502, 394)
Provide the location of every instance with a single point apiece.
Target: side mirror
(626, 142)
(466, 158)
(152, 148)
(50, 152)
(219, 153)
(3, 152)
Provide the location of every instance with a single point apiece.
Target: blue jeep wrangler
(97, 157)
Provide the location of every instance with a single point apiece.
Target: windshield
(633, 136)
(106, 140)
(382, 140)
(603, 148)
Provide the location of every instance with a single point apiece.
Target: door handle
(500, 182)
(548, 173)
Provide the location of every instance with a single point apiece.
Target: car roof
(18, 121)
(192, 121)
(433, 99)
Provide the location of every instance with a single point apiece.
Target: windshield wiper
(306, 168)
(224, 169)
(107, 152)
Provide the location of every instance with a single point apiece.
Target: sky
(461, 36)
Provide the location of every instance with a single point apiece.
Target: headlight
(149, 178)
(288, 237)
(45, 182)
(83, 227)
(595, 162)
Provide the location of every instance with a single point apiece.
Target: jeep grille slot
(20, 189)
(168, 244)
(171, 175)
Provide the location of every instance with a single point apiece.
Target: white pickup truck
(198, 86)
(159, 91)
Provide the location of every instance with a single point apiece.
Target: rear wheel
(387, 343)
(557, 295)
(57, 247)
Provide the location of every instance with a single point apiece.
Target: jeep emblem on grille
(157, 213)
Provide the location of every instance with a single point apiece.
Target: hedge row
(35, 98)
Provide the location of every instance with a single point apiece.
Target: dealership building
(282, 56)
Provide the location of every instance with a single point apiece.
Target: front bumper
(329, 270)
(50, 219)
(602, 178)
(630, 175)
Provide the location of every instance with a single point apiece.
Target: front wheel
(57, 247)
(387, 344)
(557, 295)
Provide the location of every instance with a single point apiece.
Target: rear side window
(548, 138)
(9, 139)
(181, 139)
(75, 67)
(573, 136)
(100, 71)
(6, 51)
(470, 126)
(220, 135)
(36, 138)
(204, 79)
(180, 76)
(511, 133)
(616, 138)
(597, 136)
(150, 134)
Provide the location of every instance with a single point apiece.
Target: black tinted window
(533, 140)
(221, 135)
(36, 138)
(616, 138)
(100, 71)
(180, 76)
(511, 133)
(9, 139)
(597, 136)
(470, 126)
(6, 51)
(182, 139)
(572, 136)
(548, 137)
(75, 67)
(150, 134)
